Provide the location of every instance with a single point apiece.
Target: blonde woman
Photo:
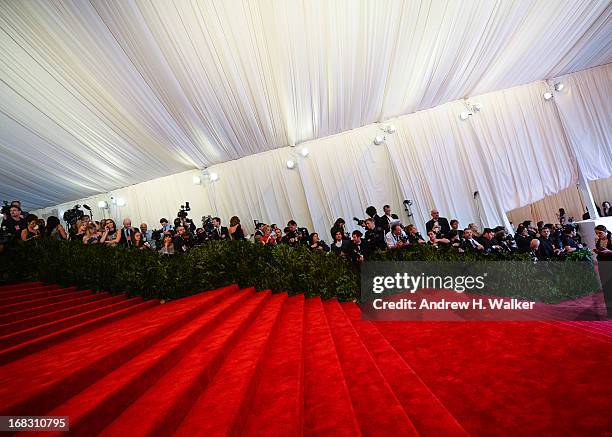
(92, 235)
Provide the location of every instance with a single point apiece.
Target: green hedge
(215, 264)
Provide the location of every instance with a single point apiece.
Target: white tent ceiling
(100, 94)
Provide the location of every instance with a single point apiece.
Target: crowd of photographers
(381, 232)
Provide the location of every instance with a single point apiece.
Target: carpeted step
(427, 413)
(278, 400)
(26, 297)
(36, 384)
(19, 286)
(47, 308)
(47, 317)
(327, 404)
(385, 416)
(221, 409)
(168, 401)
(99, 404)
(11, 308)
(62, 324)
(29, 291)
(37, 344)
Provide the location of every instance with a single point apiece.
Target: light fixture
(290, 164)
(559, 86)
(378, 140)
(120, 201)
(214, 177)
(465, 115)
(547, 95)
(476, 107)
(103, 204)
(304, 151)
(196, 180)
(391, 129)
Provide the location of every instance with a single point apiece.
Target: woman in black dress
(236, 230)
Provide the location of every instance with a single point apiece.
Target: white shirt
(392, 239)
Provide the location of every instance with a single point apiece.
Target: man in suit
(355, 248)
(219, 232)
(388, 218)
(127, 233)
(440, 221)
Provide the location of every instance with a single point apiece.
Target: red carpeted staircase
(240, 362)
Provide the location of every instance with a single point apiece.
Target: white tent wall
(585, 107)
(514, 152)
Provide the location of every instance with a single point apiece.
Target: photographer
(355, 250)
(110, 235)
(414, 237)
(14, 223)
(316, 244)
(396, 238)
(569, 239)
(31, 231)
(182, 240)
(294, 235)
(373, 239)
(54, 229)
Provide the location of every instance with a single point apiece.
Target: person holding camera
(182, 240)
(32, 229)
(355, 248)
(414, 237)
(373, 239)
(396, 238)
(110, 235)
(318, 244)
(54, 229)
(294, 235)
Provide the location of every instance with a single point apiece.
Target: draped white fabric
(99, 94)
(585, 106)
(523, 143)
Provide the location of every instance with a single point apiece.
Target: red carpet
(245, 363)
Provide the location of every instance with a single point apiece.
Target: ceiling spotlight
(379, 140)
(547, 95)
(391, 129)
(103, 204)
(559, 86)
(477, 106)
(465, 115)
(120, 201)
(305, 152)
(290, 164)
(196, 180)
(214, 177)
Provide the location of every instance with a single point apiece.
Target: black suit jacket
(442, 221)
(123, 241)
(220, 234)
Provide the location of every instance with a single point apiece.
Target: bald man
(440, 221)
(127, 233)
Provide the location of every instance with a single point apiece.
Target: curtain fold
(585, 107)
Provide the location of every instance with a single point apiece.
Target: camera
(207, 225)
(73, 215)
(184, 211)
(360, 222)
(6, 208)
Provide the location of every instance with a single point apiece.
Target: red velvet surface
(244, 363)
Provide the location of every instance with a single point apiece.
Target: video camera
(184, 211)
(73, 215)
(360, 222)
